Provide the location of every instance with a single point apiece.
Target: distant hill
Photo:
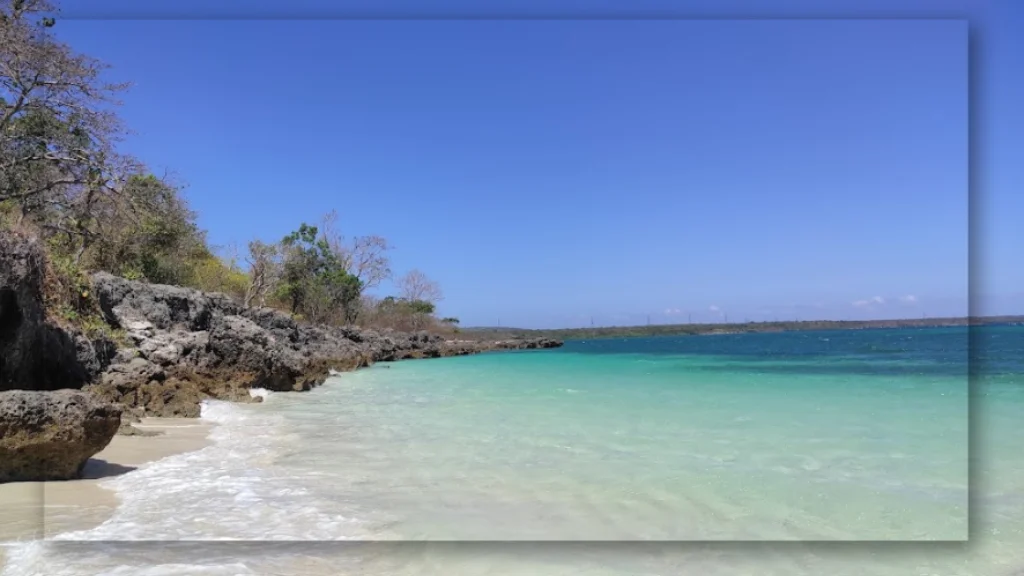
(491, 332)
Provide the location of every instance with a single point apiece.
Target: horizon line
(968, 318)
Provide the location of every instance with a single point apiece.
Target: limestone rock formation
(188, 345)
(50, 435)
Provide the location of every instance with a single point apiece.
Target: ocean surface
(852, 437)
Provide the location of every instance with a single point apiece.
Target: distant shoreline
(731, 328)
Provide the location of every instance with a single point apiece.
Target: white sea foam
(259, 393)
(229, 490)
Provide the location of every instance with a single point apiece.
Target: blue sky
(547, 172)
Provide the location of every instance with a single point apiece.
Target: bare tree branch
(415, 285)
(56, 130)
(365, 257)
(264, 272)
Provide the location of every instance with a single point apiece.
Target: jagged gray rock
(50, 435)
(188, 345)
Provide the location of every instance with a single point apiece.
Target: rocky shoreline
(176, 347)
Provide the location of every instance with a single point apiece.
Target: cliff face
(35, 354)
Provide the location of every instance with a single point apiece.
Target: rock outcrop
(50, 435)
(187, 345)
(35, 354)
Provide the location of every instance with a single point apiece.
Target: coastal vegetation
(65, 179)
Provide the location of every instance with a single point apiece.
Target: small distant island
(567, 334)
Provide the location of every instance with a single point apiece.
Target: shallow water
(839, 435)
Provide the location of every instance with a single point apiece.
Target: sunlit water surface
(853, 435)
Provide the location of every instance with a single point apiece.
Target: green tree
(421, 307)
(314, 279)
(299, 267)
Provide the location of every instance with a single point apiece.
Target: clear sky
(547, 172)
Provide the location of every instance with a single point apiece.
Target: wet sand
(34, 510)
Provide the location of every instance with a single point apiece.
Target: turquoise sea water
(837, 435)
(851, 435)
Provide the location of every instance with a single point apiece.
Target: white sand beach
(36, 510)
